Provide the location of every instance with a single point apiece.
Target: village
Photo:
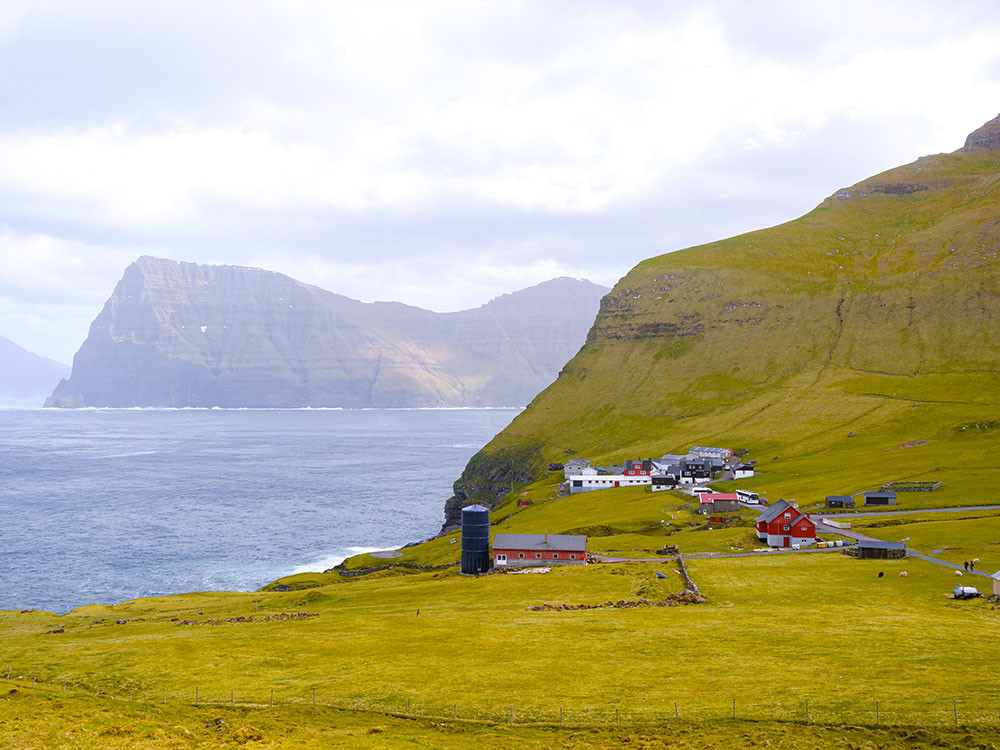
(779, 525)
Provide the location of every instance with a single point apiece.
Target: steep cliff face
(26, 378)
(182, 334)
(884, 297)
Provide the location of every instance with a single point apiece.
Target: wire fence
(965, 711)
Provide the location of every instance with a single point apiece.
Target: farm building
(839, 501)
(743, 471)
(576, 466)
(593, 480)
(880, 498)
(781, 525)
(719, 502)
(873, 549)
(705, 452)
(665, 481)
(532, 550)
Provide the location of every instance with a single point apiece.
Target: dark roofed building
(532, 550)
(839, 501)
(880, 498)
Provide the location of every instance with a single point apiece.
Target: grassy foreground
(776, 633)
(40, 717)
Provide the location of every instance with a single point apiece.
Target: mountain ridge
(184, 334)
(787, 340)
(26, 377)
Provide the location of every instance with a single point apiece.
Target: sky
(443, 153)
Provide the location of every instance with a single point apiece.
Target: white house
(595, 481)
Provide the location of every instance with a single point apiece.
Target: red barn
(781, 525)
(719, 502)
(527, 550)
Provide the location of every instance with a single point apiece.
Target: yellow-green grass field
(965, 535)
(776, 632)
(42, 717)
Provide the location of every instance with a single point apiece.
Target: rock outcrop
(182, 334)
(988, 136)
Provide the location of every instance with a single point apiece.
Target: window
(577, 483)
(538, 555)
(572, 557)
(520, 555)
(785, 527)
(788, 515)
(555, 555)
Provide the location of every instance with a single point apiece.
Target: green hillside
(855, 345)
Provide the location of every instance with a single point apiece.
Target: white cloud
(455, 150)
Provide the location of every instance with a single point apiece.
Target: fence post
(677, 716)
(618, 721)
(407, 706)
(876, 713)
(954, 708)
(734, 706)
(314, 696)
(196, 695)
(560, 716)
(232, 697)
(272, 697)
(64, 684)
(454, 711)
(807, 709)
(130, 694)
(164, 695)
(512, 714)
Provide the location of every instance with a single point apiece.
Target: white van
(696, 491)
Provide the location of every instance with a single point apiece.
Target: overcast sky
(443, 153)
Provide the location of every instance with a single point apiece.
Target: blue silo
(475, 539)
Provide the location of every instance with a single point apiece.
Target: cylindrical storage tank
(475, 539)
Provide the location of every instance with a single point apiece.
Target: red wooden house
(781, 525)
(528, 550)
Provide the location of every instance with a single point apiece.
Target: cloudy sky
(441, 153)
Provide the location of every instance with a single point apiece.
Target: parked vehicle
(965, 592)
(556, 467)
(751, 498)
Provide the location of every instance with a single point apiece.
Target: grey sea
(102, 506)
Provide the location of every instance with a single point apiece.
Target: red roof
(711, 497)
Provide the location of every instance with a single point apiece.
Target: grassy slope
(847, 637)
(877, 315)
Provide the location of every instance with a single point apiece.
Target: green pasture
(475, 643)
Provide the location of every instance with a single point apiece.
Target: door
(501, 559)
(618, 484)
(785, 542)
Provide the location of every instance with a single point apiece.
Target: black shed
(880, 498)
(839, 501)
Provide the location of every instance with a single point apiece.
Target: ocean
(106, 505)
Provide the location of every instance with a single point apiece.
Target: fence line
(561, 715)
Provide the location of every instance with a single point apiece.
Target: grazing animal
(902, 574)
(958, 572)
(880, 574)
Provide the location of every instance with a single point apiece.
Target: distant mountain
(25, 378)
(182, 334)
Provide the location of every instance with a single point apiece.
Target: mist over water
(101, 506)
